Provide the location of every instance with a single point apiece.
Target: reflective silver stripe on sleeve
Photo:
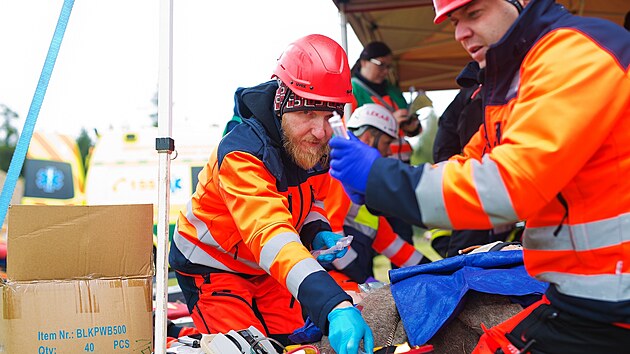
(196, 254)
(580, 237)
(393, 247)
(271, 249)
(314, 216)
(415, 258)
(492, 192)
(343, 262)
(608, 287)
(319, 204)
(364, 229)
(431, 197)
(203, 234)
(299, 272)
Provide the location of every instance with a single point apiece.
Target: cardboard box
(79, 280)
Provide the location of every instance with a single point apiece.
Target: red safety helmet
(444, 7)
(316, 67)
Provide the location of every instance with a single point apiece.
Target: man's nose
(462, 32)
(319, 128)
(388, 152)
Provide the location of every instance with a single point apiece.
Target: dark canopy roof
(427, 56)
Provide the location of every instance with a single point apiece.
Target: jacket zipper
(564, 217)
(301, 206)
(290, 199)
(228, 294)
(392, 334)
(312, 196)
(497, 130)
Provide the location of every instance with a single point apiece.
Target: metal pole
(165, 146)
(343, 23)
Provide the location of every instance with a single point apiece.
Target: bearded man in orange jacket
(242, 247)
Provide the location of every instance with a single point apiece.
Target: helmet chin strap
(377, 138)
(284, 102)
(516, 4)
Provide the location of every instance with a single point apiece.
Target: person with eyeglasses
(370, 84)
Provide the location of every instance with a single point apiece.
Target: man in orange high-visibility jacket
(376, 126)
(241, 249)
(554, 150)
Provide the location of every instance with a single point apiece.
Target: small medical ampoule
(337, 126)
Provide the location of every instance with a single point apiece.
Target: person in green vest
(370, 84)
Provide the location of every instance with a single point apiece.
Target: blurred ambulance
(123, 168)
(53, 171)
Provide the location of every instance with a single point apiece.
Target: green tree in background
(8, 136)
(85, 143)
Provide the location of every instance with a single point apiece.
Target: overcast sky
(107, 70)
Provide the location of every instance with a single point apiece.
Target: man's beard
(305, 157)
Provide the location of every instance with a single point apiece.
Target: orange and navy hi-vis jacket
(254, 211)
(554, 150)
(352, 219)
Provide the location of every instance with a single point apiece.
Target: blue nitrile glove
(346, 328)
(325, 240)
(357, 198)
(350, 163)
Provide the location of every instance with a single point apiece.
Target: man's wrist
(342, 305)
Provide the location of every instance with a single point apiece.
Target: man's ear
(366, 138)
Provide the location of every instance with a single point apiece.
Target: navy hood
(257, 103)
(469, 76)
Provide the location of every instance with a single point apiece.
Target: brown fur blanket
(459, 337)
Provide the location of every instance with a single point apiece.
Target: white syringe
(337, 126)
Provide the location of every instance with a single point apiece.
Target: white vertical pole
(343, 23)
(165, 146)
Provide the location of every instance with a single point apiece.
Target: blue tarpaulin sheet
(427, 295)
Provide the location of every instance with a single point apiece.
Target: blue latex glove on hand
(346, 329)
(350, 163)
(325, 240)
(357, 198)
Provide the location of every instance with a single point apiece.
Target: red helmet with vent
(316, 67)
(444, 7)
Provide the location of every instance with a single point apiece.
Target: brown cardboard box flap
(69, 242)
